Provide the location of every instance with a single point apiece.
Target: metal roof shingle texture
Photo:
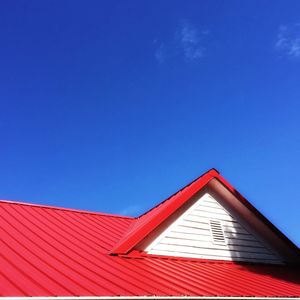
(47, 251)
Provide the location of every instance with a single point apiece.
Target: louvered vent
(217, 232)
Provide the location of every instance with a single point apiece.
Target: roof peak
(211, 171)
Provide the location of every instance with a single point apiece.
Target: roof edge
(65, 209)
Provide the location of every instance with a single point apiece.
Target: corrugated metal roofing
(47, 251)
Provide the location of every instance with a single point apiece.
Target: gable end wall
(189, 235)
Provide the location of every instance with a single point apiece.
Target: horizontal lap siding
(205, 251)
(207, 237)
(208, 245)
(190, 236)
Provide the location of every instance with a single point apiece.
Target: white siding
(190, 236)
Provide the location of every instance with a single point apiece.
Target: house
(205, 241)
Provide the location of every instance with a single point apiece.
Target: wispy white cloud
(188, 43)
(288, 40)
(190, 39)
(160, 53)
(131, 210)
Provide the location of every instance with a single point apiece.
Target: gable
(150, 225)
(207, 230)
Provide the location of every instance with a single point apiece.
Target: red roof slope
(47, 251)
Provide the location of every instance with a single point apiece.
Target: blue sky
(114, 105)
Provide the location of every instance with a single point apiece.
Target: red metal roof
(48, 251)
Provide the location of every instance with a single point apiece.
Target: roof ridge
(66, 209)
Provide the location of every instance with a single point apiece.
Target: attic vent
(217, 232)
